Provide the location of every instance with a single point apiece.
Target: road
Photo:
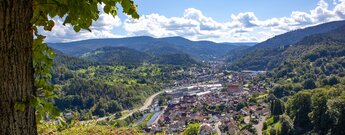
(145, 106)
(217, 128)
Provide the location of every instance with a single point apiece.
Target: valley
(153, 67)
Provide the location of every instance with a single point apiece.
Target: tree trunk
(16, 68)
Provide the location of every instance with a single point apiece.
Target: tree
(286, 126)
(336, 107)
(114, 106)
(333, 80)
(25, 62)
(319, 116)
(309, 84)
(298, 108)
(277, 107)
(192, 129)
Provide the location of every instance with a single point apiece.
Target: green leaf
(55, 112)
(35, 101)
(107, 8)
(76, 28)
(126, 5)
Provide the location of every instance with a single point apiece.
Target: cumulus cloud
(247, 19)
(244, 26)
(193, 24)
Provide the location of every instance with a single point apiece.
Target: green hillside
(269, 58)
(119, 55)
(308, 96)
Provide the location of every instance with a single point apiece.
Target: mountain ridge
(203, 50)
(285, 39)
(269, 58)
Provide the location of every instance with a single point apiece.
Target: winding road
(146, 105)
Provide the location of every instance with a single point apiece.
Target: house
(235, 88)
(206, 129)
(232, 128)
(214, 119)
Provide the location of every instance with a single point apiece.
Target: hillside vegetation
(274, 51)
(308, 96)
(125, 56)
(118, 55)
(97, 89)
(267, 58)
(202, 50)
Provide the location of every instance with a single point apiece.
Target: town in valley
(223, 103)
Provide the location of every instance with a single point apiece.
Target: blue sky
(221, 10)
(214, 20)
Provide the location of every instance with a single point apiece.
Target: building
(235, 88)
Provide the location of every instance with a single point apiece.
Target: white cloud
(244, 26)
(193, 24)
(339, 9)
(247, 19)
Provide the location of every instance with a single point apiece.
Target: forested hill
(127, 56)
(71, 62)
(175, 59)
(295, 36)
(271, 57)
(273, 45)
(203, 50)
(119, 55)
(308, 96)
(92, 88)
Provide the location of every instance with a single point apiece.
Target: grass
(270, 121)
(262, 96)
(143, 124)
(52, 128)
(272, 125)
(278, 127)
(88, 130)
(125, 112)
(148, 117)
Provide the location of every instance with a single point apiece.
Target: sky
(213, 20)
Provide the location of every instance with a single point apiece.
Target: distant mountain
(125, 56)
(267, 56)
(203, 50)
(242, 44)
(119, 55)
(122, 56)
(283, 40)
(318, 44)
(295, 36)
